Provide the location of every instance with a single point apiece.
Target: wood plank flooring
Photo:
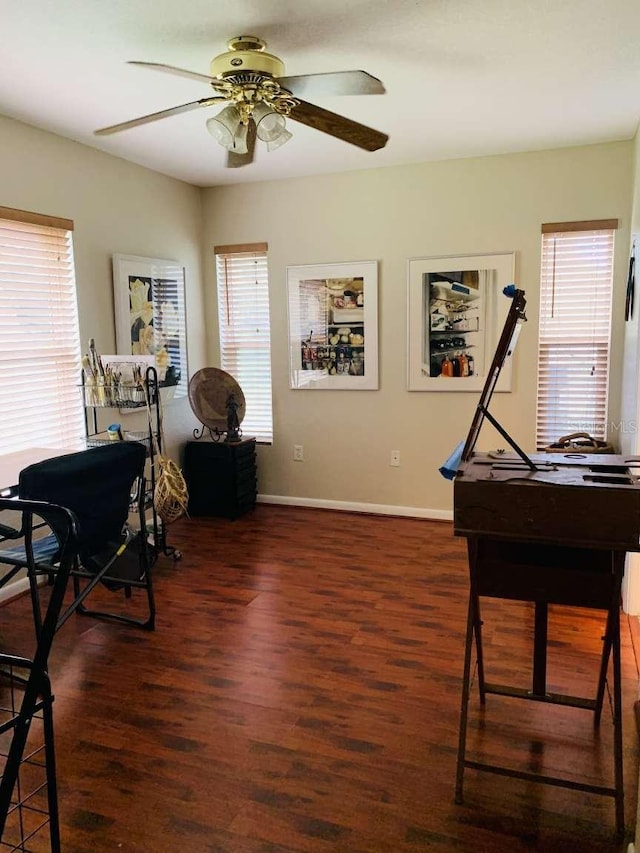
(302, 693)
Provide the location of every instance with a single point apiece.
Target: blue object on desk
(450, 467)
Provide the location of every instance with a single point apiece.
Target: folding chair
(28, 791)
(100, 486)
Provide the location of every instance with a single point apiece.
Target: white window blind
(169, 321)
(245, 335)
(576, 287)
(39, 337)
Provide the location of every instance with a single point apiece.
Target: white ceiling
(463, 77)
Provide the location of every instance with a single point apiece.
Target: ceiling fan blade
(339, 126)
(333, 83)
(134, 122)
(171, 69)
(235, 160)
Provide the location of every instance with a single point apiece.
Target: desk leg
(617, 723)
(464, 707)
(540, 649)
(611, 631)
(611, 648)
(474, 604)
(608, 642)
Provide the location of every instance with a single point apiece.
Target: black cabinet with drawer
(221, 477)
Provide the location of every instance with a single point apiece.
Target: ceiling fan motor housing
(246, 53)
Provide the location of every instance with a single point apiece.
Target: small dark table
(221, 477)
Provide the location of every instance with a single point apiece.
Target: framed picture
(456, 311)
(333, 326)
(149, 302)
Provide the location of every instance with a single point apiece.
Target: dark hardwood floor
(302, 692)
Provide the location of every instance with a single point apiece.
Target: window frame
(576, 272)
(41, 333)
(245, 357)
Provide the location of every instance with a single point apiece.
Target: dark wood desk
(553, 536)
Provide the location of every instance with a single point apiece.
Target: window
(39, 338)
(576, 287)
(245, 338)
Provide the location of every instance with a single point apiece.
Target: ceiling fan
(260, 98)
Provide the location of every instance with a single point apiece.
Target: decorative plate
(209, 390)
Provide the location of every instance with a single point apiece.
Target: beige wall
(630, 407)
(631, 362)
(117, 207)
(458, 207)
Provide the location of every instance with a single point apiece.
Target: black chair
(28, 791)
(100, 486)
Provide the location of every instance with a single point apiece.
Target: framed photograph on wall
(456, 311)
(150, 314)
(333, 326)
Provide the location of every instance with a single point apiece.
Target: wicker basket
(170, 497)
(579, 442)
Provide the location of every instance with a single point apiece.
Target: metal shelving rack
(142, 395)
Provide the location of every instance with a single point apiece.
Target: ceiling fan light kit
(272, 144)
(230, 130)
(269, 123)
(224, 126)
(259, 98)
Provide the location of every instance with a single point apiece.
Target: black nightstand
(221, 477)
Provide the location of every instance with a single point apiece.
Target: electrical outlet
(298, 453)
(395, 458)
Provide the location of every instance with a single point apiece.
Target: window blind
(169, 319)
(576, 289)
(245, 336)
(39, 338)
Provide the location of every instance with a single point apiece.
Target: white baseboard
(12, 590)
(352, 506)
